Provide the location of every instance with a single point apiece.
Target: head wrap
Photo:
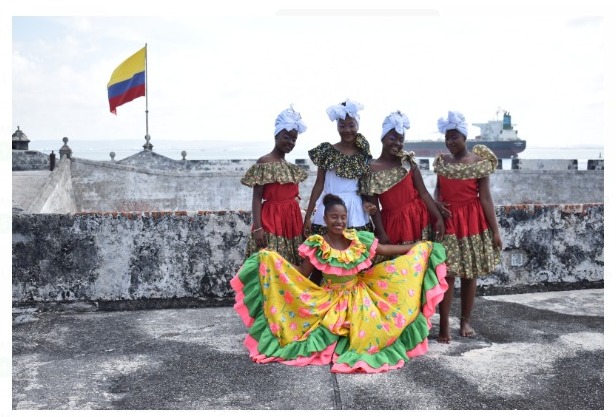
(348, 107)
(455, 121)
(289, 119)
(398, 121)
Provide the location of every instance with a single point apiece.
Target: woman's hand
(307, 229)
(439, 230)
(497, 243)
(369, 208)
(259, 238)
(443, 208)
(382, 237)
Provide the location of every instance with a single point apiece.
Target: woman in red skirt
(276, 215)
(472, 239)
(405, 209)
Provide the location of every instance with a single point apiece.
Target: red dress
(467, 217)
(280, 211)
(468, 237)
(404, 214)
(281, 216)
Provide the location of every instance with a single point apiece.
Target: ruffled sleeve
(327, 157)
(270, 172)
(379, 182)
(341, 262)
(478, 169)
(487, 155)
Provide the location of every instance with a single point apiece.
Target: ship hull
(431, 148)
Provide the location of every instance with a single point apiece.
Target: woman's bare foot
(465, 328)
(444, 336)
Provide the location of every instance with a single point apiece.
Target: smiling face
(455, 141)
(335, 218)
(392, 142)
(347, 129)
(285, 140)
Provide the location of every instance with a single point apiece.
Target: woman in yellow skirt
(363, 319)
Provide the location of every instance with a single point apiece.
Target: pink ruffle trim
(435, 295)
(310, 252)
(318, 358)
(363, 367)
(239, 305)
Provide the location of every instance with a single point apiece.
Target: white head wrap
(340, 111)
(398, 121)
(289, 119)
(455, 121)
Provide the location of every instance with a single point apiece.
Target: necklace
(340, 244)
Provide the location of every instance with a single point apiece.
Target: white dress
(348, 191)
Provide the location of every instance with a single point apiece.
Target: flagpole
(148, 146)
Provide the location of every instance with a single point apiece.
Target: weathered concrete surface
(128, 256)
(147, 181)
(177, 255)
(533, 352)
(26, 160)
(28, 186)
(57, 195)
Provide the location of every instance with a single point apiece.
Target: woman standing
(276, 214)
(340, 166)
(405, 208)
(472, 238)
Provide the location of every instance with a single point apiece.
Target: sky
(223, 78)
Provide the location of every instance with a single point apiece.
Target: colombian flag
(127, 81)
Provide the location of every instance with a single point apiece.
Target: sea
(99, 150)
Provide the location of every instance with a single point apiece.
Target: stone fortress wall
(149, 228)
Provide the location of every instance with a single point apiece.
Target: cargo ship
(498, 135)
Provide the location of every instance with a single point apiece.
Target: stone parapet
(165, 257)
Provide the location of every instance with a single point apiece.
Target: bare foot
(444, 336)
(465, 328)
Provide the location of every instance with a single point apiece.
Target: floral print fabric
(468, 237)
(327, 157)
(478, 169)
(373, 320)
(281, 216)
(270, 172)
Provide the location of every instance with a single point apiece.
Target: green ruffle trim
(317, 341)
(357, 252)
(380, 181)
(477, 169)
(321, 338)
(327, 157)
(411, 336)
(269, 172)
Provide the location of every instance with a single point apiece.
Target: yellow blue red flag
(127, 80)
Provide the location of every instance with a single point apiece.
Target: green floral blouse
(327, 157)
(378, 182)
(269, 172)
(478, 169)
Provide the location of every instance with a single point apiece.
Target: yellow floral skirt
(373, 321)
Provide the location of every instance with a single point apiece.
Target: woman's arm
(317, 189)
(257, 229)
(306, 268)
(440, 205)
(485, 197)
(379, 230)
(431, 206)
(392, 250)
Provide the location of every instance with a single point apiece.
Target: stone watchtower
(20, 140)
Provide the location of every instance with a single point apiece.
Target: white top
(348, 191)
